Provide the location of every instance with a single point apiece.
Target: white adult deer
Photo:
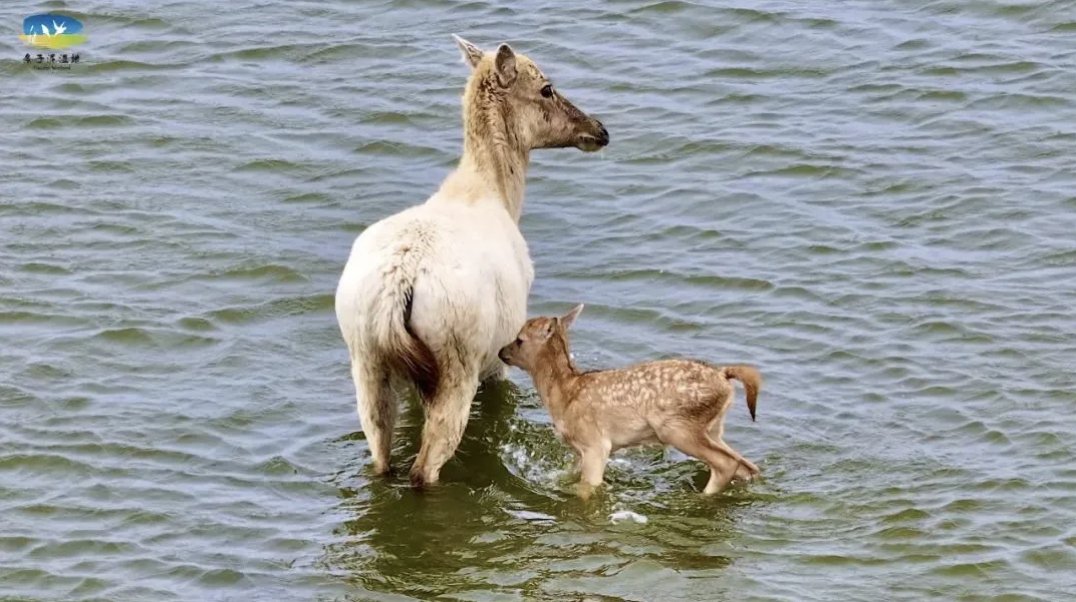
(431, 294)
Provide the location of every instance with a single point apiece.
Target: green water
(873, 201)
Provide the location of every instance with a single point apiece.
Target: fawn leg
(752, 469)
(592, 464)
(723, 465)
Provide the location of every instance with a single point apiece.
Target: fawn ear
(568, 318)
(550, 328)
(471, 53)
(506, 65)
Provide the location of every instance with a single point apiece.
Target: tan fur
(674, 402)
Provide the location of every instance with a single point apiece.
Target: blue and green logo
(49, 30)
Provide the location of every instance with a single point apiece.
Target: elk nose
(603, 135)
(504, 356)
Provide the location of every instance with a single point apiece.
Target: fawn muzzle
(506, 354)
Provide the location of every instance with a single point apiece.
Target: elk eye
(519, 342)
(547, 90)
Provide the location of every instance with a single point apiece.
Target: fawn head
(541, 339)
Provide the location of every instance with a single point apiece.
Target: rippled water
(872, 201)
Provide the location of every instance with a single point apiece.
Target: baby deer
(675, 402)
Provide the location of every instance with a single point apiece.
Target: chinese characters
(52, 60)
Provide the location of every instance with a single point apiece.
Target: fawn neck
(556, 377)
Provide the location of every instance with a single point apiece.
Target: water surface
(873, 202)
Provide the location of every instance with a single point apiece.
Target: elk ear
(506, 65)
(471, 54)
(568, 318)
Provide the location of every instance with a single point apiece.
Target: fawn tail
(751, 380)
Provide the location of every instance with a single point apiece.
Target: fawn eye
(547, 90)
(519, 342)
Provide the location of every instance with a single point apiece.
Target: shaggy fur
(681, 403)
(430, 294)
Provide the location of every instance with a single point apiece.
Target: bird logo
(65, 31)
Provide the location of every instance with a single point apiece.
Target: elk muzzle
(593, 137)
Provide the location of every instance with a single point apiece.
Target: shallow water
(873, 203)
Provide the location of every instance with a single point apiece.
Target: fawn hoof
(744, 476)
(584, 490)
